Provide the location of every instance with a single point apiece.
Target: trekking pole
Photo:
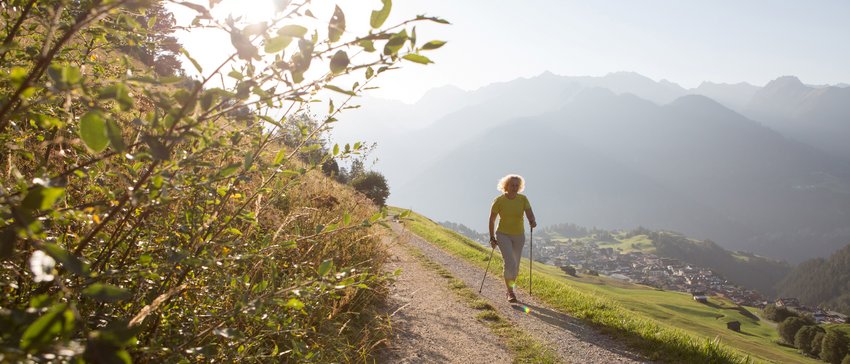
(530, 260)
(485, 271)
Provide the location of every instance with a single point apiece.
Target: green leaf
(116, 137)
(346, 219)
(281, 155)
(68, 260)
(395, 43)
(295, 31)
(405, 214)
(433, 19)
(106, 293)
(276, 44)
(8, 239)
(377, 216)
(229, 170)
(336, 149)
(58, 321)
(369, 72)
(367, 45)
(192, 60)
(413, 57)
(202, 11)
(18, 75)
(339, 62)
(244, 48)
(64, 76)
(325, 267)
(256, 28)
(434, 44)
(340, 90)
(120, 93)
(93, 131)
(42, 198)
(158, 150)
(337, 25)
(295, 303)
(380, 16)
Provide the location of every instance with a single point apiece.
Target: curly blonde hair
(503, 183)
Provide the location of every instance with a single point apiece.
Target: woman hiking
(510, 236)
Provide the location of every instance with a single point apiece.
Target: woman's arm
(531, 220)
(491, 227)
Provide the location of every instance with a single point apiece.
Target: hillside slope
(666, 326)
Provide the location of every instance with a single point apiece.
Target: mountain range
(727, 162)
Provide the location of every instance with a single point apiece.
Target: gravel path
(573, 340)
(430, 323)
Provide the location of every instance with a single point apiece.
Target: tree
(568, 269)
(149, 38)
(817, 343)
(834, 346)
(788, 328)
(777, 314)
(803, 338)
(373, 185)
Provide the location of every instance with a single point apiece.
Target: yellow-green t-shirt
(510, 213)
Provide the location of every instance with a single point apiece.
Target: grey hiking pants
(511, 248)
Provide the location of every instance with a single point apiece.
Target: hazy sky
(682, 41)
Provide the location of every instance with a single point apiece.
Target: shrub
(158, 217)
(817, 343)
(834, 346)
(777, 314)
(788, 328)
(373, 185)
(803, 338)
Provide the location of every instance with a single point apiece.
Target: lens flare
(526, 309)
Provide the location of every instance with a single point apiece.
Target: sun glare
(210, 46)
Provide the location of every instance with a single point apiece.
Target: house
(788, 302)
(734, 326)
(700, 297)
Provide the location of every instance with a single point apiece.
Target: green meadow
(666, 326)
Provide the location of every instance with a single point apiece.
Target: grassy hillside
(668, 326)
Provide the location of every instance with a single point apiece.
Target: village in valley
(663, 273)
(586, 256)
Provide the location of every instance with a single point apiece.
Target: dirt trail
(430, 323)
(573, 340)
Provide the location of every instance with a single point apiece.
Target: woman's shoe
(511, 297)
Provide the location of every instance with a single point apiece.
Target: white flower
(42, 266)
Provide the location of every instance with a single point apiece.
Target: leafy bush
(788, 328)
(777, 314)
(374, 186)
(568, 269)
(817, 343)
(834, 346)
(803, 338)
(158, 217)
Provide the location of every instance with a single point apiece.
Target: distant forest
(821, 282)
